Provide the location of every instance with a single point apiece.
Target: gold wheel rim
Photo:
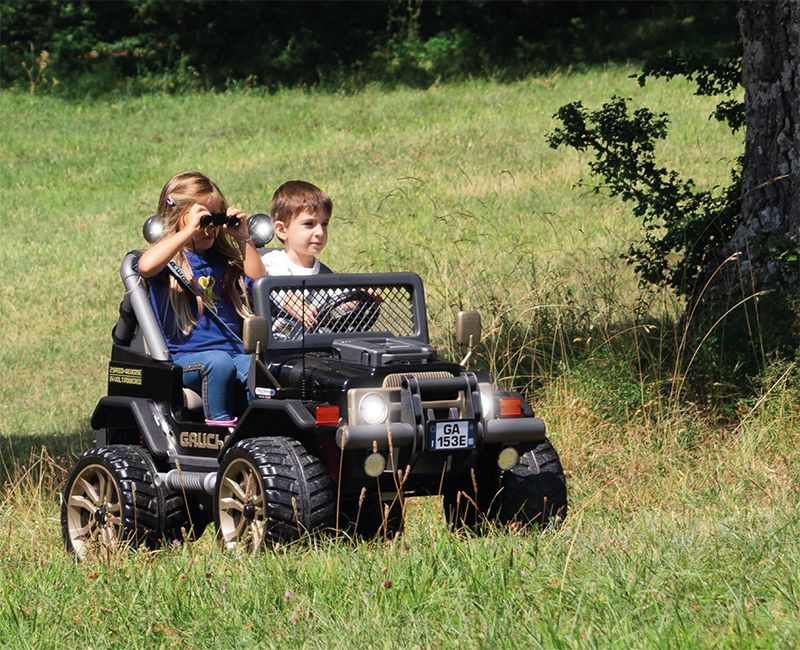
(94, 511)
(241, 507)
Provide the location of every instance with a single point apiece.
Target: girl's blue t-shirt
(208, 279)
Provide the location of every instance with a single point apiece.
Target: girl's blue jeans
(217, 375)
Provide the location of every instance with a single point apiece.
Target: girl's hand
(191, 235)
(241, 233)
(191, 221)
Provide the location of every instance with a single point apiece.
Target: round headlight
(487, 403)
(261, 229)
(373, 408)
(153, 229)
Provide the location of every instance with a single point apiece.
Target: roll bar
(136, 293)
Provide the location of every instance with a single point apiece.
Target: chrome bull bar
(410, 432)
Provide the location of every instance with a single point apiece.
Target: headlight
(487, 402)
(261, 229)
(373, 408)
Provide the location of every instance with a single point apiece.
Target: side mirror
(468, 328)
(255, 334)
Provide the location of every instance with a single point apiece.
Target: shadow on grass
(17, 453)
(720, 360)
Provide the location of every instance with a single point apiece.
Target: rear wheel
(110, 499)
(535, 490)
(271, 490)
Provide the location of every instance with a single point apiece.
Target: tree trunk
(768, 239)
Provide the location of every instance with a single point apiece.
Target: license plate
(453, 434)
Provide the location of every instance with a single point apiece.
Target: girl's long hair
(179, 194)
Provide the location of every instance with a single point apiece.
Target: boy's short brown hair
(294, 197)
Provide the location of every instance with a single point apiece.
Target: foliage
(410, 58)
(682, 225)
(93, 46)
(712, 77)
(686, 227)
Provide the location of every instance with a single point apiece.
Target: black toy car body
(349, 418)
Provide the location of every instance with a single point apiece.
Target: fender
(121, 412)
(265, 417)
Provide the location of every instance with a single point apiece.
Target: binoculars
(259, 225)
(218, 219)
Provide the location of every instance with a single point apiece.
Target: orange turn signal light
(327, 416)
(510, 407)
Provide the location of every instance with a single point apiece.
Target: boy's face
(304, 237)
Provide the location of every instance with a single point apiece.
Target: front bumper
(381, 437)
(419, 397)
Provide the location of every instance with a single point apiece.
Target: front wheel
(110, 499)
(534, 492)
(271, 490)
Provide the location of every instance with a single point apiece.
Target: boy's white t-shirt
(277, 262)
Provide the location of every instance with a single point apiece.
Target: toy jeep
(348, 418)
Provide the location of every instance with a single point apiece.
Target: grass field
(683, 525)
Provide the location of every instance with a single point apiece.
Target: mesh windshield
(388, 309)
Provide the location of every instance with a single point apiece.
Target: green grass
(663, 548)
(456, 183)
(682, 527)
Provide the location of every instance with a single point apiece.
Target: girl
(220, 263)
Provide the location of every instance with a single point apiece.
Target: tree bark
(768, 238)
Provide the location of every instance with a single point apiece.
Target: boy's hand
(349, 306)
(241, 232)
(301, 310)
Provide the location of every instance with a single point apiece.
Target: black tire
(110, 499)
(369, 518)
(535, 490)
(271, 490)
(183, 521)
(472, 502)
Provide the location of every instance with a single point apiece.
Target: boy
(300, 212)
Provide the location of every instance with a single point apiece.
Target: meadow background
(683, 515)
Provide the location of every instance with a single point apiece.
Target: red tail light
(510, 407)
(327, 416)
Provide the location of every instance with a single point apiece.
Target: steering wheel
(351, 311)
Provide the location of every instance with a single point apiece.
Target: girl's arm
(155, 258)
(253, 266)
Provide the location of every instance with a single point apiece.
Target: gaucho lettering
(202, 440)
